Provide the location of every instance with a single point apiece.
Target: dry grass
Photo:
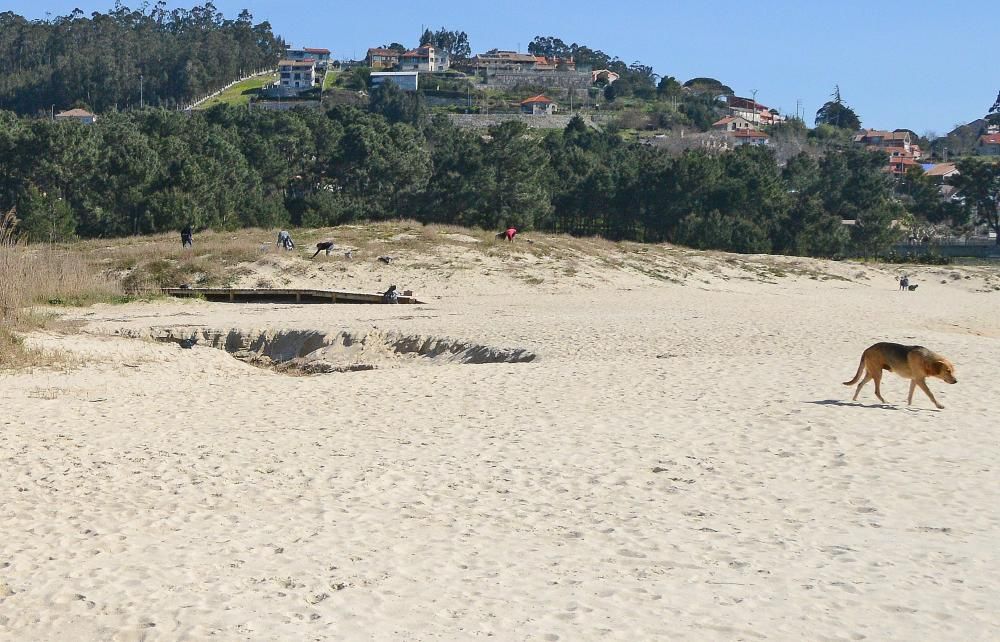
(40, 274)
(147, 263)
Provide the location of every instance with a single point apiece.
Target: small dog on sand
(910, 362)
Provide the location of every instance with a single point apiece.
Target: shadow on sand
(853, 404)
(858, 404)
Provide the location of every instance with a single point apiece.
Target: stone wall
(579, 80)
(482, 121)
(284, 105)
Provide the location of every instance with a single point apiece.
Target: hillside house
(405, 80)
(78, 115)
(898, 145)
(940, 172)
(538, 105)
(320, 56)
(753, 111)
(749, 137)
(425, 58)
(381, 59)
(498, 59)
(988, 145)
(732, 124)
(296, 76)
(554, 64)
(878, 139)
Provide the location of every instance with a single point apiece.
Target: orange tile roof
(75, 113)
(537, 99)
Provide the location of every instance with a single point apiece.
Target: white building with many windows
(296, 76)
(425, 58)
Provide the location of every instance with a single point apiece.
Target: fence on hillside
(261, 72)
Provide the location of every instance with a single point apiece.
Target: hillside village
(498, 85)
(544, 91)
(561, 136)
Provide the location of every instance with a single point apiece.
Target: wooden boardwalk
(281, 295)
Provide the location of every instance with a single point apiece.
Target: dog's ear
(936, 369)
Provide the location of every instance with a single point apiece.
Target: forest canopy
(105, 60)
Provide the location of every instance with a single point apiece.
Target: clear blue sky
(924, 65)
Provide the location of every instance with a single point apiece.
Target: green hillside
(240, 93)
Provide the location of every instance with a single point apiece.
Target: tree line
(155, 170)
(111, 61)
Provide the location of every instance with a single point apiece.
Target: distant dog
(911, 288)
(323, 245)
(910, 362)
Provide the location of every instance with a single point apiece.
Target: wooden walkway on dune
(281, 295)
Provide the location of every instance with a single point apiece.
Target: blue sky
(923, 65)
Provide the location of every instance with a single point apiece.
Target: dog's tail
(857, 375)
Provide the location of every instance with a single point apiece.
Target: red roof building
(989, 145)
(538, 105)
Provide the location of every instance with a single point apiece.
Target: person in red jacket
(510, 234)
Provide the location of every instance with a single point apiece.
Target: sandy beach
(677, 460)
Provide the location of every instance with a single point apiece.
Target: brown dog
(910, 362)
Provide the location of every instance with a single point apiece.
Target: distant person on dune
(187, 236)
(510, 234)
(285, 240)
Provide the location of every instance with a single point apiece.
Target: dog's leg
(878, 386)
(923, 386)
(861, 385)
(913, 386)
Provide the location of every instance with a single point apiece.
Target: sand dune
(680, 462)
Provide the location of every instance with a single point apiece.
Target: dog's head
(943, 369)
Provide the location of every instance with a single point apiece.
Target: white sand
(680, 463)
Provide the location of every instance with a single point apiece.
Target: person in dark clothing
(323, 245)
(391, 295)
(187, 236)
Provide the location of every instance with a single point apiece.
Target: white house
(538, 105)
(753, 111)
(296, 76)
(732, 124)
(425, 58)
(318, 54)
